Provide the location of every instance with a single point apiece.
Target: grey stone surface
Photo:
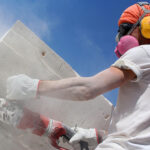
(22, 52)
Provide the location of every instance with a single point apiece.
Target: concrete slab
(22, 52)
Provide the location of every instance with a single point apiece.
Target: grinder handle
(70, 133)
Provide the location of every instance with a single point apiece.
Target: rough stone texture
(22, 52)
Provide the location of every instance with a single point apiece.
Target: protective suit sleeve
(137, 60)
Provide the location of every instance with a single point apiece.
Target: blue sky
(82, 32)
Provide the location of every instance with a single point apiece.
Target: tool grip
(70, 133)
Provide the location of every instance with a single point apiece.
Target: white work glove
(21, 87)
(91, 136)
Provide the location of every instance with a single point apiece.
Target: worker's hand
(42, 126)
(21, 87)
(55, 131)
(90, 136)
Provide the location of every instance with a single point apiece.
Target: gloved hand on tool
(42, 126)
(92, 136)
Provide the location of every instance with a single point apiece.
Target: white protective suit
(130, 125)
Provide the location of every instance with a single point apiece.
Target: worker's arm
(77, 88)
(85, 88)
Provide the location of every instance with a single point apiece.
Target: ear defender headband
(143, 22)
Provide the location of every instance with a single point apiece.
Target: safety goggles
(124, 29)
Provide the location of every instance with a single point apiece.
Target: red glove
(41, 125)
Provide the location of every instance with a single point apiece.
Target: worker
(129, 128)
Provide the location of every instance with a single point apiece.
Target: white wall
(22, 52)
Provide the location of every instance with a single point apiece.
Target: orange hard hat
(132, 14)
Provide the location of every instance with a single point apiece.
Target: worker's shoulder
(138, 52)
(141, 48)
(146, 48)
